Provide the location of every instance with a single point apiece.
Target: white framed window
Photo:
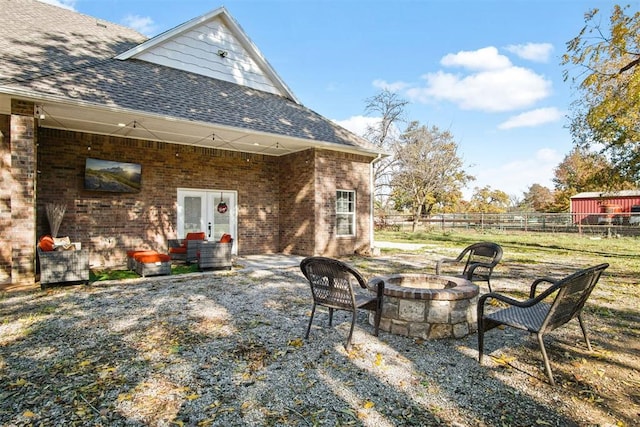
(345, 213)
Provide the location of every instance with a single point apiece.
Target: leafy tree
(538, 198)
(428, 169)
(603, 62)
(582, 170)
(486, 200)
(384, 134)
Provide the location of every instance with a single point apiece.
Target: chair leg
(331, 317)
(313, 311)
(377, 319)
(480, 342)
(353, 323)
(584, 332)
(547, 366)
(489, 285)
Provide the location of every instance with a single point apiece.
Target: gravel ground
(228, 349)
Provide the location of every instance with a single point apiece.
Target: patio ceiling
(137, 125)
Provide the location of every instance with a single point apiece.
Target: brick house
(203, 116)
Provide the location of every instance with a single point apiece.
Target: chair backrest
(485, 252)
(573, 292)
(331, 281)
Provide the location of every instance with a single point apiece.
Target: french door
(211, 211)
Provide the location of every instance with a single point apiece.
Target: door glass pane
(192, 214)
(221, 216)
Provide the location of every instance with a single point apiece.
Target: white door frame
(209, 196)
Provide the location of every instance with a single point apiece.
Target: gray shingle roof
(48, 50)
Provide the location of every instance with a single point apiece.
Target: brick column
(23, 199)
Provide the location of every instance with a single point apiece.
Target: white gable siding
(196, 51)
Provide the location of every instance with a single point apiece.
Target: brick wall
(341, 171)
(297, 204)
(5, 199)
(275, 195)
(110, 223)
(20, 180)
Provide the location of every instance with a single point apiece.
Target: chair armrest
(475, 265)
(376, 285)
(174, 243)
(534, 285)
(524, 304)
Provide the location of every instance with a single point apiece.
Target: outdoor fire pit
(428, 306)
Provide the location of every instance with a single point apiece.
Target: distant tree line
(423, 173)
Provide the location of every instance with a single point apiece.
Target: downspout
(373, 196)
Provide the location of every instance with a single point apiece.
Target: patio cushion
(195, 236)
(151, 258)
(180, 250)
(134, 252)
(226, 238)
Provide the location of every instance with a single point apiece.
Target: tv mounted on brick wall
(107, 175)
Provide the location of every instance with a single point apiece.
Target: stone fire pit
(428, 306)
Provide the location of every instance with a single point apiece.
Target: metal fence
(627, 224)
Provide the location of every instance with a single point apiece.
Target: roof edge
(242, 37)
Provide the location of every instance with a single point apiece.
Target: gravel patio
(227, 349)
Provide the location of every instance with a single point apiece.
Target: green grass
(102, 275)
(529, 248)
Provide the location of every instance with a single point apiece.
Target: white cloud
(537, 52)
(515, 177)
(486, 58)
(532, 118)
(67, 4)
(142, 24)
(494, 91)
(358, 124)
(489, 82)
(391, 87)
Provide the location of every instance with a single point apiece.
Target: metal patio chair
(332, 286)
(479, 260)
(539, 317)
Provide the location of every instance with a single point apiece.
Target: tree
(486, 200)
(428, 168)
(538, 198)
(605, 68)
(582, 170)
(384, 134)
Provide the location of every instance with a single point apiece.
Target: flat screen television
(107, 175)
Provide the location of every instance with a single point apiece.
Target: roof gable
(212, 45)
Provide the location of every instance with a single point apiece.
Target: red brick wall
(276, 198)
(18, 179)
(297, 204)
(341, 171)
(110, 223)
(5, 200)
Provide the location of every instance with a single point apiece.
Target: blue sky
(486, 70)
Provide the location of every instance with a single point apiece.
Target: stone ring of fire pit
(428, 306)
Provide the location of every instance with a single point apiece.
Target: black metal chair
(332, 287)
(479, 260)
(539, 317)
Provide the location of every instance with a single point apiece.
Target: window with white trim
(345, 213)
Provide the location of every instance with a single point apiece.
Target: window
(345, 213)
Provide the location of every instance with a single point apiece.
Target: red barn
(606, 207)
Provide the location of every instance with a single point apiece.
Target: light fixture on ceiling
(39, 112)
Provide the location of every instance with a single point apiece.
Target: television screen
(106, 175)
